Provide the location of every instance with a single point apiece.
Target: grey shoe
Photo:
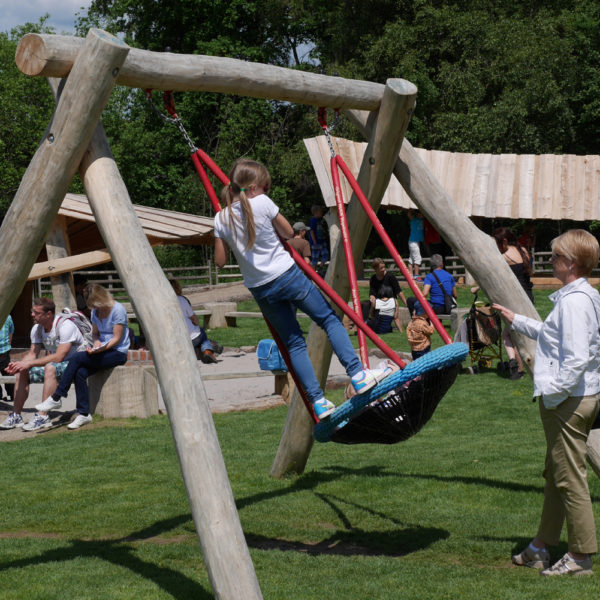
(534, 560)
(38, 422)
(567, 565)
(13, 420)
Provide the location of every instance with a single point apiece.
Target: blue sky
(62, 13)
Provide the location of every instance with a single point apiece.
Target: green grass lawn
(102, 513)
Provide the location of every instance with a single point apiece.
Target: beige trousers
(566, 493)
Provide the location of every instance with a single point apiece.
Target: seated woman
(110, 348)
(382, 307)
(200, 341)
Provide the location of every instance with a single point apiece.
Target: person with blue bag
(250, 224)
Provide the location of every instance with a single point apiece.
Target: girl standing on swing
(251, 225)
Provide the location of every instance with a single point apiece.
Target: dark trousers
(81, 366)
(413, 304)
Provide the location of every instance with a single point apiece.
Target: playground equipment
(75, 139)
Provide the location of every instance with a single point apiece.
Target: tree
(27, 106)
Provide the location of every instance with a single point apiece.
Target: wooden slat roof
(516, 186)
(160, 226)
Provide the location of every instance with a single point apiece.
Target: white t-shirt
(186, 309)
(267, 259)
(67, 332)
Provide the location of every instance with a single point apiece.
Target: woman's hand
(507, 315)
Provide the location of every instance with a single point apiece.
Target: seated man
(382, 306)
(61, 338)
(434, 281)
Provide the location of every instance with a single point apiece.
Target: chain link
(327, 129)
(174, 121)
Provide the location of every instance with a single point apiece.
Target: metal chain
(327, 129)
(172, 120)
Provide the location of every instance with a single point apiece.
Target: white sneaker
(38, 422)
(13, 420)
(48, 404)
(79, 421)
(364, 380)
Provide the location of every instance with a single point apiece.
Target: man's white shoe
(48, 404)
(79, 421)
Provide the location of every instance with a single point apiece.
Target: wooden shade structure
(512, 186)
(161, 226)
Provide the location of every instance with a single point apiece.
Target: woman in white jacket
(566, 381)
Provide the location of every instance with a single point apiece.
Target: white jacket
(567, 358)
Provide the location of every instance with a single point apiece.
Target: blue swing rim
(435, 360)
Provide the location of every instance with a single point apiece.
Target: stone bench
(126, 391)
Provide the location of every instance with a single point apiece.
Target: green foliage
(27, 106)
(495, 77)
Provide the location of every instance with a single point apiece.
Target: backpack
(80, 321)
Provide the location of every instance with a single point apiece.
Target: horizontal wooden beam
(51, 268)
(53, 56)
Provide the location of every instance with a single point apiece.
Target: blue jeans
(202, 341)
(279, 300)
(81, 366)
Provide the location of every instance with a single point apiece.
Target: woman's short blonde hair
(97, 296)
(581, 247)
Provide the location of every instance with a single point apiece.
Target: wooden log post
(477, 250)
(48, 176)
(57, 247)
(224, 548)
(53, 55)
(388, 129)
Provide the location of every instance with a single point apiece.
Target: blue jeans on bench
(279, 300)
(81, 366)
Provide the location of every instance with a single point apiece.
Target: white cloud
(62, 13)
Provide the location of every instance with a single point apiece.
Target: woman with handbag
(441, 288)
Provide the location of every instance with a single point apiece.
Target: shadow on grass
(358, 542)
(312, 480)
(173, 582)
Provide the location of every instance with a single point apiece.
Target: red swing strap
(200, 159)
(337, 161)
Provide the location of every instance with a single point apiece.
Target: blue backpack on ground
(269, 357)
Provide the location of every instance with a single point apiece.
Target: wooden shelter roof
(525, 186)
(160, 226)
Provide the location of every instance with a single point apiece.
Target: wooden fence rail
(209, 275)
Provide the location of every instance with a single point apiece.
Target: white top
(117, 316)
(267, 259)
(567, 358)
(67, 333)
(386, 307)
(186, 309)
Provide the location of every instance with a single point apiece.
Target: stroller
(481, 330)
